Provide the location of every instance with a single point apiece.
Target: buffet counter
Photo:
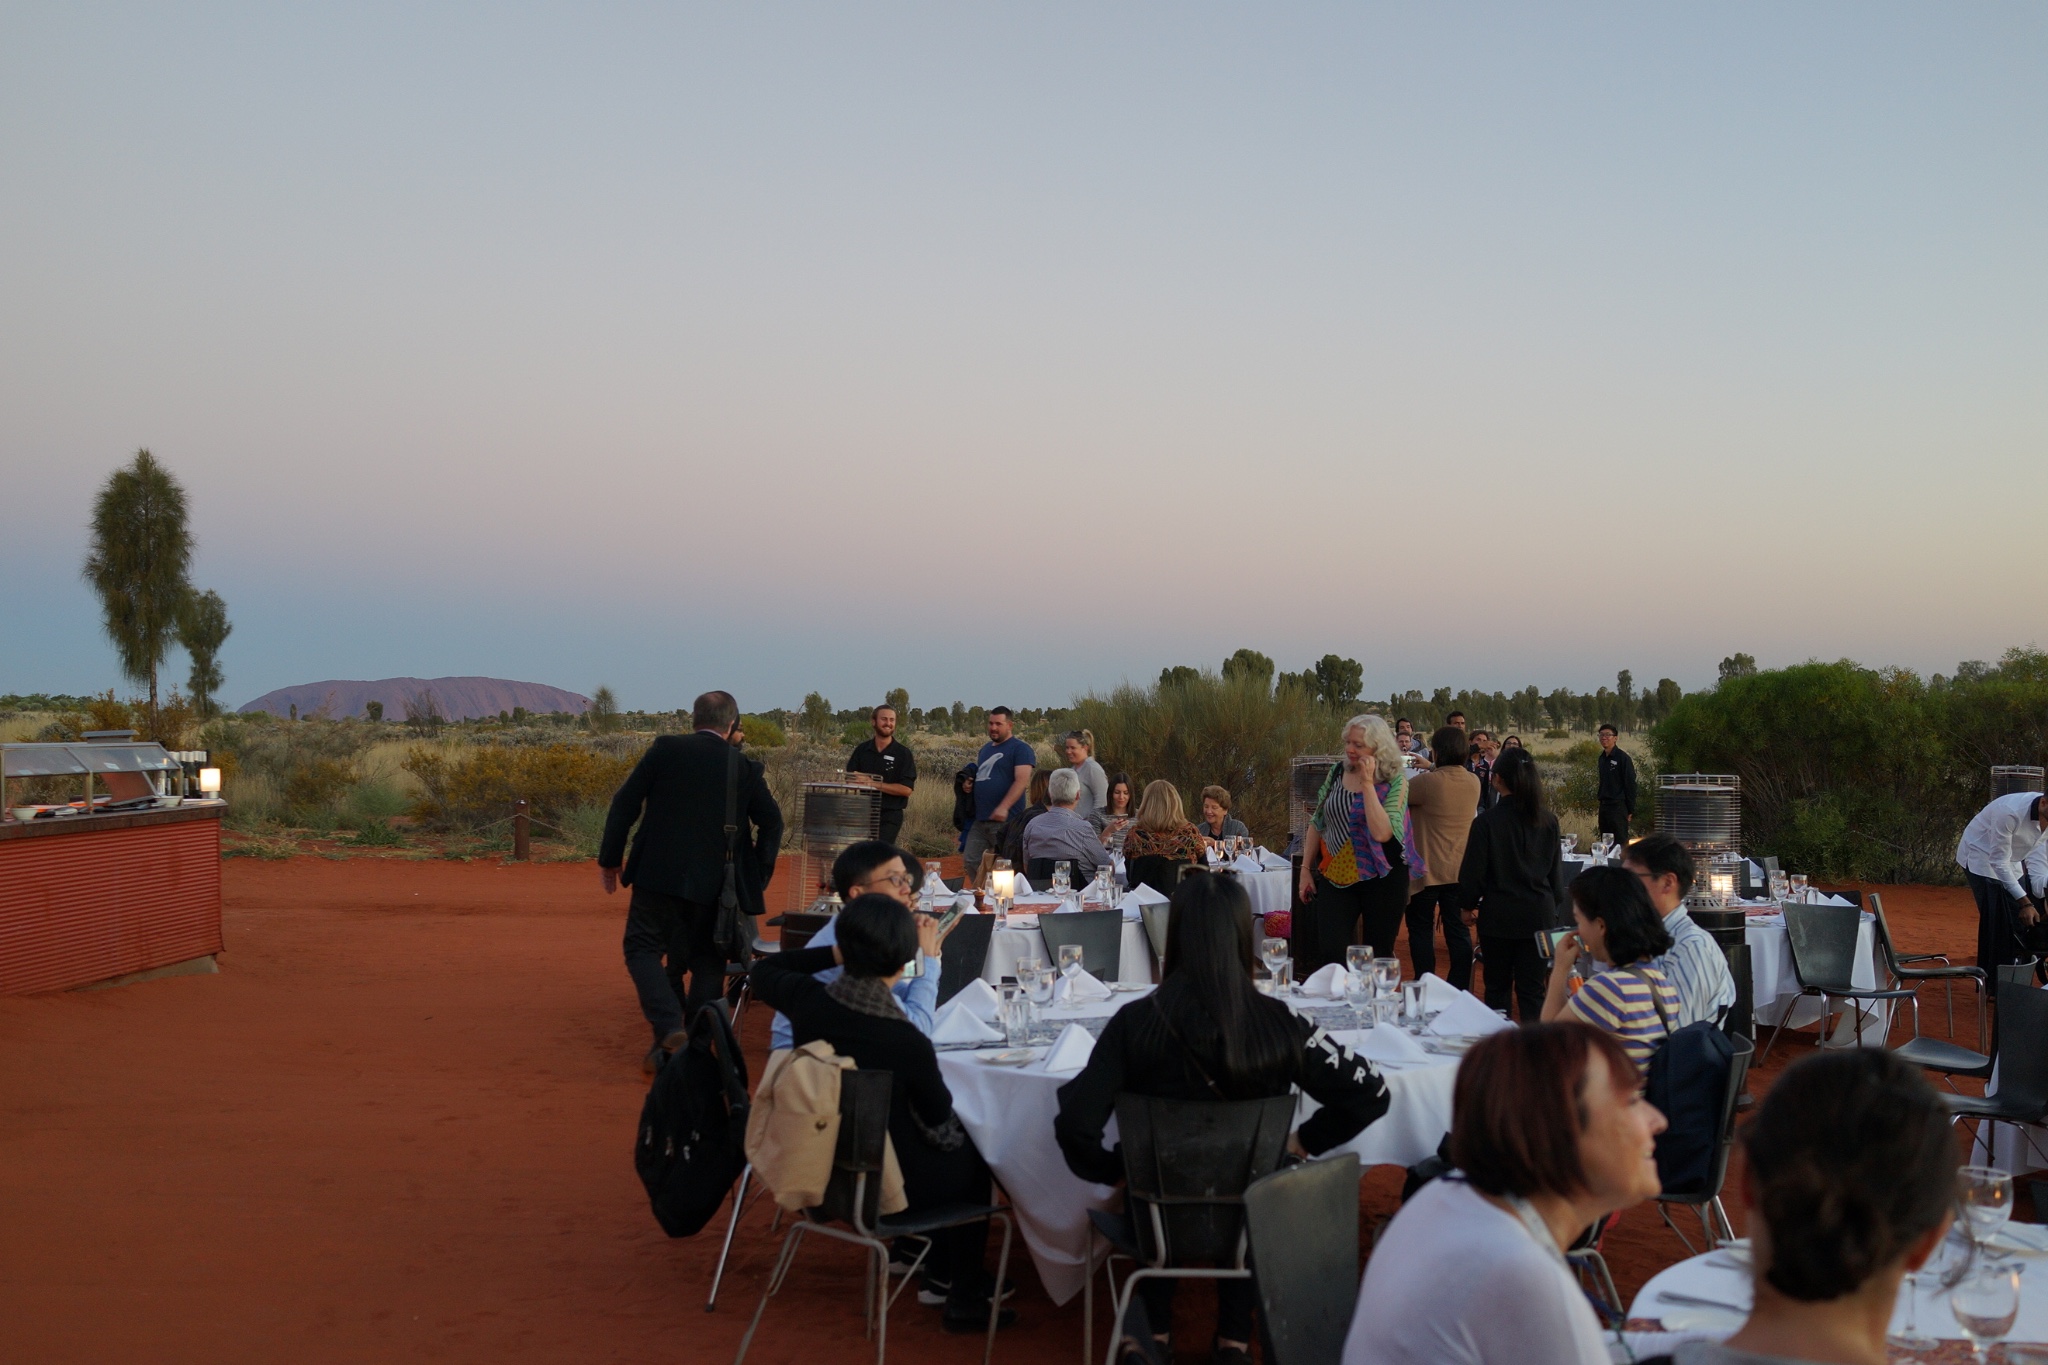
(108, 896)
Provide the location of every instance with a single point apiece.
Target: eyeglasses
(899, 879)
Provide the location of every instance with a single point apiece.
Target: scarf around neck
(866, 995)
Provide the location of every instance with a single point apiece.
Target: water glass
(1984, 1198)
(1909, 1334)
(1780, 888)
(1038, 983)
(1985, 1303)
(1411, 1005)
(1571, 843)
(1062, 877)
(1016, 1017)
(1797, 882)
(1358, 995)
(1070, 959)
(1283, 976)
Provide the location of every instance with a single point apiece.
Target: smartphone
(1547, 941)
(949, 919)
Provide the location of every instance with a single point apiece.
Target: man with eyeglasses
(871, 868)
(1695, 964)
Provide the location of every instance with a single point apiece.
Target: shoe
(974, 1317)
(934, 1292)
(1229, 1355)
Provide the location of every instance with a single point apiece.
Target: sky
(1008, 352)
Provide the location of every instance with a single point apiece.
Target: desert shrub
(583, 829)
(1557, 734)
(1853, 772)
(763, 732)
(476, 787)
(299, 772)
(1235, 732)
(371, 832)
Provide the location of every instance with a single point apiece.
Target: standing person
(1441, 802)
(888, 766)
(1481, 766)
(1512, 884)
(1359, 851)
(1002, 774)
(1997, 849)
(678, 865)
(1617, 786)
(1080, 750)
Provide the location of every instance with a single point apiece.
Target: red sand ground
(397, 1125)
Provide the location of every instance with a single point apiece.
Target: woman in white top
(1549, 1132)
(1080, 751)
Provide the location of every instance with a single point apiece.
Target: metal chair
(964, 954)
(1713, 1214)
(1903, 972)
(1303, 1224)
(853, 1199)
(2022, 1048)
(1100, 933)
(1187, 1165)
(1823, 941)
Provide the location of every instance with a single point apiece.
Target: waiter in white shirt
(2001, 848)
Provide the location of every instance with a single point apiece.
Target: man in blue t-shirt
(1002, 771)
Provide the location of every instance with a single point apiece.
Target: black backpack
(693, 1126)
(1688, 1083)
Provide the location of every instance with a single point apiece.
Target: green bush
(476, 787)
(764, 733)
(1853, 772)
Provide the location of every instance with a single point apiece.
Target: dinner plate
(1451, 1044)
(1016, 1056)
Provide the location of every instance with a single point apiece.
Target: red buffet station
(107, 871)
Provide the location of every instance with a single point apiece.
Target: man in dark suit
(1617, 798)
(677, 868)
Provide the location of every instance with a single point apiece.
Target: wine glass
(1797, 882)
(1070, 960)
(1358, 959)
(1358, 995)
(1985, 1302)
(1038, 985)
(1273, 952)
(1571, 843)
(1984, 1195)
(1387, 980)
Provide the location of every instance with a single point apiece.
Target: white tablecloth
(1776, 985)
(1270, 890)
(1009, 1113)
(1720, 1275)
(1006, 946)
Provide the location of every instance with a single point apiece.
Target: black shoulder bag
(734, 934)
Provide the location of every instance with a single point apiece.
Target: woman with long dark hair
(1207, 1034)
(1512, 883)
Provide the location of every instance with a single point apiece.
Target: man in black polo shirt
(1617, 787)
(890, 766)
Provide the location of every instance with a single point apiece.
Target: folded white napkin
(1329, 982)
(1142, 894)
(1390, 1044)
(978, 998)
(964, 902)
(1079, 989)
(1272, 861)
(1071, 1052)
(1465, 1014)
(960, 1026)
(1248, 865)
(1022, 886)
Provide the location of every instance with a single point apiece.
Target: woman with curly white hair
(1359, 851)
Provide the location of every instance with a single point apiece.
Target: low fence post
(519, 831)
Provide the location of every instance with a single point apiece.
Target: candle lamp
(209, 782)
(1722, 884)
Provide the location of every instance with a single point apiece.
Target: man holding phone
(873, 868)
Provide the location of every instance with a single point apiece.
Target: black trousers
(891, 824)
(933, 1179)
(1425, 908)
(1998, 925)
(1614, 820)
(659, 927)
(1330, 923)
(1514, 970)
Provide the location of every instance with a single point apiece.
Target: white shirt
(1697, 968)
(2003, 840)
(1456, 1281)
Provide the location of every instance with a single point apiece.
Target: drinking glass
(1062, 877)
(1016, 1017)
(1038, 983)
(1797, 881)
(1985, 1303)
(1358, 960)
(1984, 1196)
(1389, 970)
(1571, 843)
(1273, 952)
(1283, 976)
(1070, 959)
(1358, 991)
(1028, 961)
(1411, 1005)
(1780, 888)
(1909, 1335)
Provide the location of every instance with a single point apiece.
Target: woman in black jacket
(1513, 878)
(859, 1016)
(1207, 1034)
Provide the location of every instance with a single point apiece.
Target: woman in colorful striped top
(1618, 928)
(1359, 851)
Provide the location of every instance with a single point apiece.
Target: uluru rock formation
(451, 698)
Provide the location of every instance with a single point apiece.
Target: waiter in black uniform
(889, 766)
(1617, 787)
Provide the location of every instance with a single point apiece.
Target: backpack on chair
(693, 1126)
(1688, 1082)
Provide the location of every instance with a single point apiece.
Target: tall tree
(1338, 680)
(140, 551)
(1249, 663)
(203, 627)
(1625, 699)
(603, 714)
(818, 718)
(899, 697)
(1738, 666)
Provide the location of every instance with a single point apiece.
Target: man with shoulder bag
(708, 838)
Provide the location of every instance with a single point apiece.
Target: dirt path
(397, 1125)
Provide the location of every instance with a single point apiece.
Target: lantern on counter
(209, 782)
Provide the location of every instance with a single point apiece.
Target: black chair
(1040, 871)
(2022, 1047)
(1905, 973)
(1100, 934)
(850, 1213)
(1187, 1165)
(1155, 918)
(964, 954)
(1823, 941)
(1157, 871)
(1713, 1215)
(1303, 1223)
(1740, 1021)
(799, 927)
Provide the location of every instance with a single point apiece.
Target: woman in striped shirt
(1618, 928)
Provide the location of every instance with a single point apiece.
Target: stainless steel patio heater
(1703, 811)
(2007, 778)
(837, 815)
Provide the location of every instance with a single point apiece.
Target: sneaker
(935, 1291)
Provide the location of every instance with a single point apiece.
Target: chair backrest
(1155, 870)
(964, 954)
(1187, 1164)
(1770, 866)
(855, 1192)
(1303, 1223)
(1885, 943)
(1851, 895)
(799, 927)
(1039, 870)
(1823, 942)
(2022, 1043)
(1740, 1021)
(1738, 1077)
(1156, 917)
(1100, 934)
